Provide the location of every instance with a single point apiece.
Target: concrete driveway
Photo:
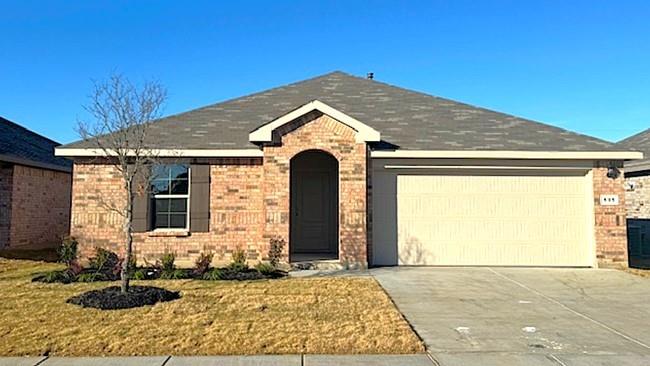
(517, 316)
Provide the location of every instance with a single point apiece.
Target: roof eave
(510, 154)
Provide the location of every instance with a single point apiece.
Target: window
(170, 190)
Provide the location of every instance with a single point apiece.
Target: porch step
(327, 265)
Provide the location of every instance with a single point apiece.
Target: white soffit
(164, 153)
(462, 154)
(364, 133)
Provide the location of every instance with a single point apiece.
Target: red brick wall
(40, 213)
(6, 175)
(318, 131)
(610, 221)
(249, 200)
(235, 223)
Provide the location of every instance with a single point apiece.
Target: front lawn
(307, 315)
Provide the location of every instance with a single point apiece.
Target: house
(35, 189)
(360, 172)
(637, 199)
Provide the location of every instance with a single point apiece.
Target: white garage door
(519, 219)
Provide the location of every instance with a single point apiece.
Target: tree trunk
(128, 230)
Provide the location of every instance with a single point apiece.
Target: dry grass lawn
(317, 315)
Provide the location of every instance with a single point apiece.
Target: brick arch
(318, 131)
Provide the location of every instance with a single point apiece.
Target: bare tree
(121, 115)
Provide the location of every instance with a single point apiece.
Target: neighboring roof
(639, 142)
(22, 146)
(406, 119)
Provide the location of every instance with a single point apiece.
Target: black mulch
(110, 298)
(247, 275)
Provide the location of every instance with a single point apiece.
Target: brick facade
(6, 177)
(250, 201)
(236, 218)
(35, 208)
(318, 131)
(609, 221)
(637, 196)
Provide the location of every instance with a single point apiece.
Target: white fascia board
(164, 153)
(364, 133)
(507, 154)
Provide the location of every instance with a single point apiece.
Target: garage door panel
(493, 220)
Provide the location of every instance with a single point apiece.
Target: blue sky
(580, 65)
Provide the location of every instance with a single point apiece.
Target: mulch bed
(111, 298)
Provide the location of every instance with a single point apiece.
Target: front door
(314, 206)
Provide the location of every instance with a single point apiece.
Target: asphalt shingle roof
(408, 119)
(20, 144)
(638, 142)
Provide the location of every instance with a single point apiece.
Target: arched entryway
(314, 223)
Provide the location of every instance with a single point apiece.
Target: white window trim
(186, 196)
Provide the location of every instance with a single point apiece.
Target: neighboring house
(637, 199)
(361, 172)
(35, 190)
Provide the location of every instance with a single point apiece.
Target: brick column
(610, 221)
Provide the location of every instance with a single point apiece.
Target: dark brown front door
(314, 205)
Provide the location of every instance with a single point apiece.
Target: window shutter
(141, 202)
(200, 198)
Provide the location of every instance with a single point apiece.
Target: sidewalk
(281, 360)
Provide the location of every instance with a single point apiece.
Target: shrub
(238, 261)
(276, 245)
(175, 274)
(202, 264)
(91, 277)
(212, 275)
(55, 277)
(167, 262)
(104, 260)
(266, 269)
(140, 274)
(67, 252)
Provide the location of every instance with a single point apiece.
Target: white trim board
(507, 154)
(364, 133)
(194, 153)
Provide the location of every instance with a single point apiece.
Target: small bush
(67, 252)
(55, 277)
(104, 260)
(167, 262)
(91, 277)
(176, 274)
(238, 263)
(140, 274)
(212, 275)
(276, 245)
(202, 264)
(265, 268)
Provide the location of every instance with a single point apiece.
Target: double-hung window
(170, 188)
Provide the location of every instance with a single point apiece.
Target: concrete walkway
(525, 316)
(285, 360)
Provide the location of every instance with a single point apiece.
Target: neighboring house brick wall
(318, 131)
(40, 213)
(637, 196)
(236, 219)
(6, 174)
(610, 221)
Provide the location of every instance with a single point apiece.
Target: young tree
(121, 115)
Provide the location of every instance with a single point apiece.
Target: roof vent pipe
(370, 75)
